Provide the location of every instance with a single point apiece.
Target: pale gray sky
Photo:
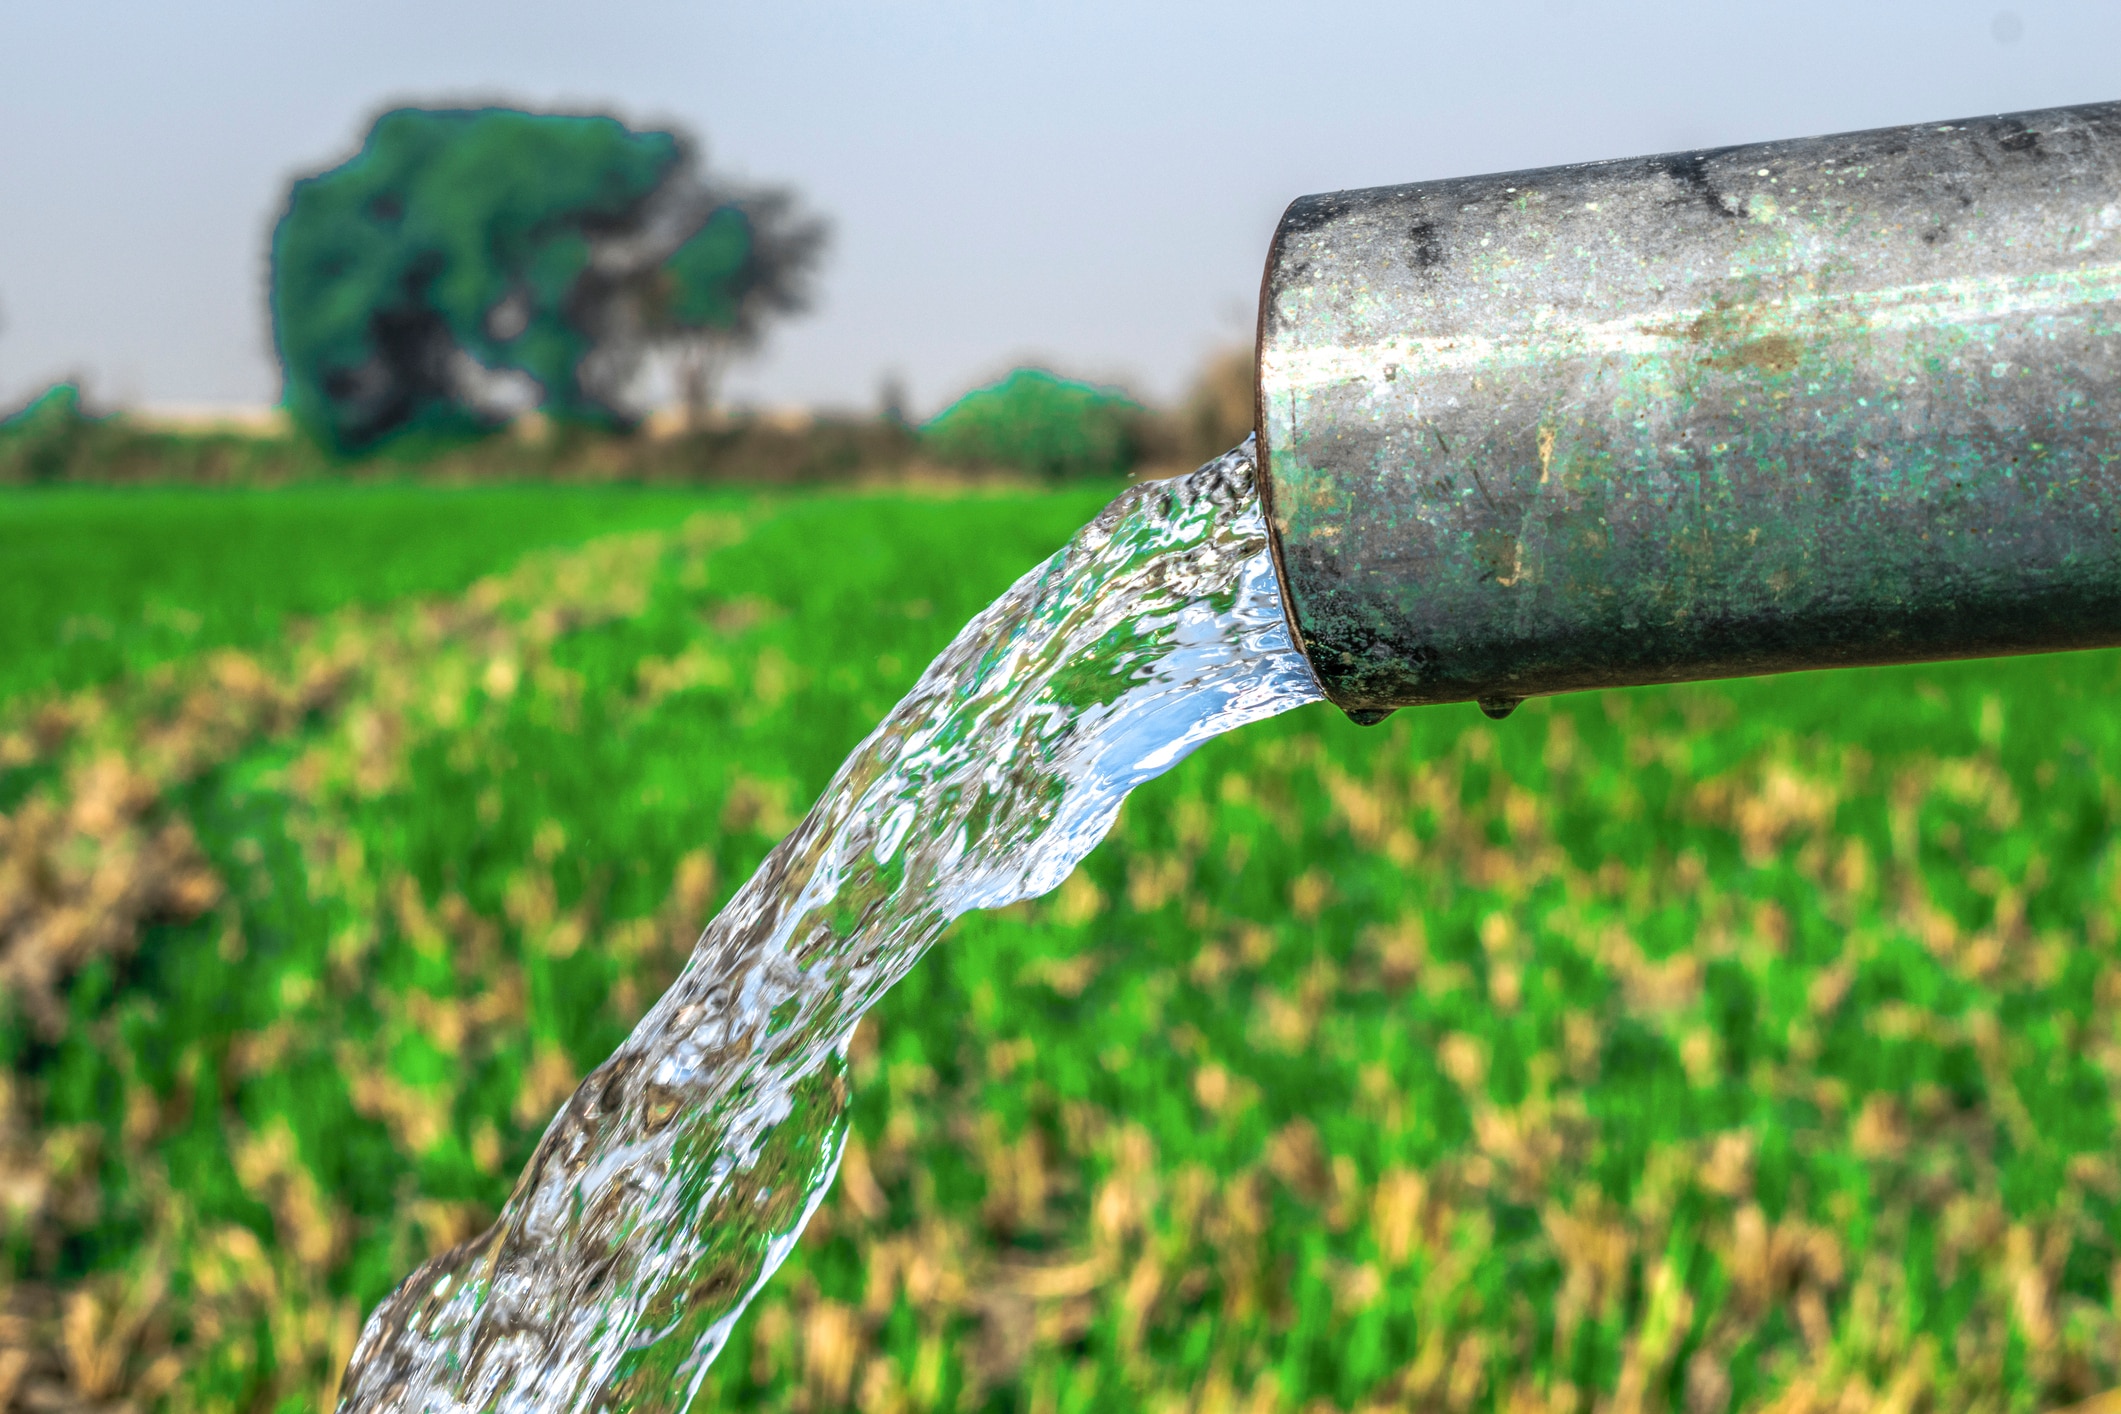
(1087, 183)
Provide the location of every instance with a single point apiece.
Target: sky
(1089, 185)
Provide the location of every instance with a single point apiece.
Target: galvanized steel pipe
(1802, 404)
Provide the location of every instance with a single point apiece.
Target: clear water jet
(680, 1174)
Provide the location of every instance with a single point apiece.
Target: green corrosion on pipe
(1808, 404)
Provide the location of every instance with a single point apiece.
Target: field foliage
(100, 580)
(56, 442)
(1741, 1046)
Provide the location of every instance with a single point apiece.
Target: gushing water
(678, 1177)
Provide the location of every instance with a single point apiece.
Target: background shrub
(37, 442)
(1037, 422)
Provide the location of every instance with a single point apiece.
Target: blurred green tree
(469, 264)
(1039, 422)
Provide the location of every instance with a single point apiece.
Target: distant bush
(38, 442)
(1037, 422)
(54, 441)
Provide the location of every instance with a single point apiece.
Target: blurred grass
(99, 580)
(1738, 1046)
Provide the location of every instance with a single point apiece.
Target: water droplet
(1499, 707)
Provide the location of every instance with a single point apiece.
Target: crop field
(1740, 1046)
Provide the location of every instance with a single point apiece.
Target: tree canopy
(467, 264)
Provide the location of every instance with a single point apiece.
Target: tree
(467, 264)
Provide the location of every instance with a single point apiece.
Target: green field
(1726, 1047)
(101, 579)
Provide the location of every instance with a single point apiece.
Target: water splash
(679, 1176)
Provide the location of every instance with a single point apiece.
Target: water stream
(680, 1174)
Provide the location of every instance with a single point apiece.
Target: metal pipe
(1802, 404)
